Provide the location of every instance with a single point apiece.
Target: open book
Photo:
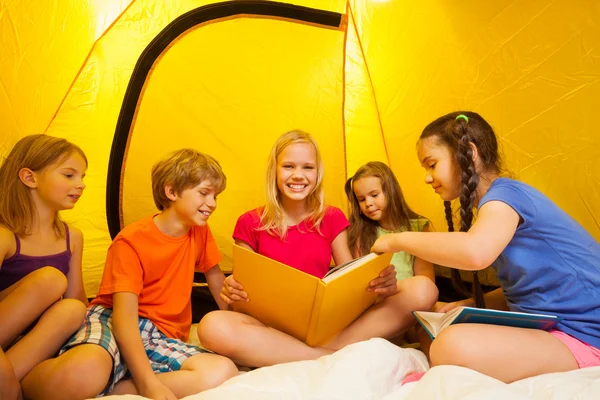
(310, 309)
(434, 322)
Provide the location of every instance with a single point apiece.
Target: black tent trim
(153, 51)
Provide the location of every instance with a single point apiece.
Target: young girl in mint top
(545, 261)
(378, 207)
(295, 227)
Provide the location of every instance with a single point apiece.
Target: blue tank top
(551, 265)
(17, 266)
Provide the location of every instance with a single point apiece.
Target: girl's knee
(47, 282)
(92, 362)
(426, 292)
(448, 347)
(62, 376)
(72, 313)
(216, 329)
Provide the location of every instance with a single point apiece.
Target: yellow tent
(130, 80)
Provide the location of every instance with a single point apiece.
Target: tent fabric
(364, 87)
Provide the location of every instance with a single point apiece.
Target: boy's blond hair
(184, 169)
(272, 219)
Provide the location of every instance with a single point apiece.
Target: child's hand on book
(233, 291)
(385, 283)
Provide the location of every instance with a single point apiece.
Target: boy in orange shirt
(146, 291)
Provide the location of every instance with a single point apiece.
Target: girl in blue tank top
(42, 301)
(545, 261)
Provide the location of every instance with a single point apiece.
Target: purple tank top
(17, 266)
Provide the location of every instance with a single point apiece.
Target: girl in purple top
(40, 257)
(295, 227)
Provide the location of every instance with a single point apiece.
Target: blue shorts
(164, 354)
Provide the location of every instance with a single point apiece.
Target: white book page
(449, 317)
(437, 321)
(432, 320)
(347, 267)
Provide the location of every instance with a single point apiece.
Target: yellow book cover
(310, 309)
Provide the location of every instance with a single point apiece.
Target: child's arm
(215, 278)
(74, 277)
(422, 267)
(10, 388)
(356, 252)
(6, 238)
(127, 335)
(245, 245)
(472, 251)
(340, 250)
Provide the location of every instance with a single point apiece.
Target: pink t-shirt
(303, 248)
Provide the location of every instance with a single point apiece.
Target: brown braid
(457, 282)
(470, 181)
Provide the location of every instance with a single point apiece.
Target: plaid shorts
(164, 354)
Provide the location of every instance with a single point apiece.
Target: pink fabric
(303, 248)
(414, 377)
(585, 355)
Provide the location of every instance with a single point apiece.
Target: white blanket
(375, 369)
(449, 383)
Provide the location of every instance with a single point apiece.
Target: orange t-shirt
(159, 269)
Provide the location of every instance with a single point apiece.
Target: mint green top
(402, 260)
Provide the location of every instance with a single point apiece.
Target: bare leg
(392, 316)
(10, 389)
(24, 302)
(505, 353)
(80, 373)
(198, 373)
(425, 341)
(52, 330)
(249, 342)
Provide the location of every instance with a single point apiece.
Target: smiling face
(60, 185)
(442, 171)
(193, 206)
(297, 171)
(370, 196)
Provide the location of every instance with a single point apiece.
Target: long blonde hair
(273, 218)
(36, 152)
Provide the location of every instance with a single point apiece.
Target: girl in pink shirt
(295, 227)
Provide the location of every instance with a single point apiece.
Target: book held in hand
(312, 310)
(434, 322)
